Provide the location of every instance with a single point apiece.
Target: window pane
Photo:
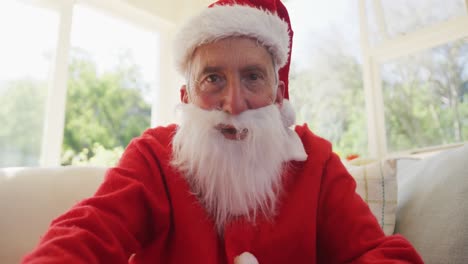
(326, 87)
(111, 82)
(27, 46)
(426, 97)
(399, 17)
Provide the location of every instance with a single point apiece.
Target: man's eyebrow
(210, 69)
(254, 67)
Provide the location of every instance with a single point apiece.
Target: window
(425, 97)
(397, 70)
(80, 78)
(392, 18)
(29, 36)
(326, 85)
(418, 54)
(112, 73)
(372, 76)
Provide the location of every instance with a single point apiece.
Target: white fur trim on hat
(288, 115)
(224, 21)
(295, 146)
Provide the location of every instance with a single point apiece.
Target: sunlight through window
(112, 77)
(27, 49)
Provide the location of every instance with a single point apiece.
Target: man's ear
(184, 94)
(280, 93)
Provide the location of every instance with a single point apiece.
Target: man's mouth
(231, 132)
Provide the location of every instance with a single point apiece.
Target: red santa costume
(145, 210)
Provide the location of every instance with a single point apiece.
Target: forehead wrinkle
(254, 67)
(227, 46)
(211, 69)
(206, 60)
(237, 64)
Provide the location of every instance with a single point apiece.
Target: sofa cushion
(377, 186)
(30, 198)
(433, 206)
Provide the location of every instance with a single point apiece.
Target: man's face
(233, 157)
(232, 75)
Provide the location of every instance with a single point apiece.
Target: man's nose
(234, 101)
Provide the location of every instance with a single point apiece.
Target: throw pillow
(377, 185)
(433, 206)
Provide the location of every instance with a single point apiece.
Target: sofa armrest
(30, 198)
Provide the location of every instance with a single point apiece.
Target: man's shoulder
(314, 145)
(158, 135)
(309, 138)
(161, 131)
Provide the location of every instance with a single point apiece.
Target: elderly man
(232, 183)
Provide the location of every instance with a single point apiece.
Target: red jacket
(144, 209)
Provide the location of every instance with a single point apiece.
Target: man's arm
(348, 232)
(108, 227)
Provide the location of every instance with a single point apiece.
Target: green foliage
(103, 113)
(330, 98)
(424, 98)
(101, 156)
(21, 118)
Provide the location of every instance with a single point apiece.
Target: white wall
(174, 11)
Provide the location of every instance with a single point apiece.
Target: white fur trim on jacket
(220, 22)
(245, 258)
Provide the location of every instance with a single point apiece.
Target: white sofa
(31, 197)
(432, 209)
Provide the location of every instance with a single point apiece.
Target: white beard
(233, 178)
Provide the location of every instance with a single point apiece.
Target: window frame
(397, 47)
(163, 99)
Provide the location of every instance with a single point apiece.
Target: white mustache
(232, 178)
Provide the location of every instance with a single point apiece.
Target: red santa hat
(265, 20)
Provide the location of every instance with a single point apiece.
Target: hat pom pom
(245, 258)
(287, 113)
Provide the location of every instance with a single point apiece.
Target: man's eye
(212, 83)
(253, 76)
(213, 78)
